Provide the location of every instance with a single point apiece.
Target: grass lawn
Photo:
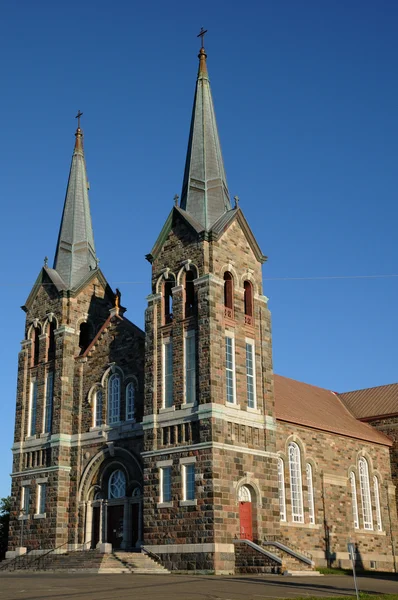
(335, 571)
(362, 596)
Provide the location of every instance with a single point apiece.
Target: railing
(37, 562)
(151, 554)
(228, 312)
(280, 540)
(248, 320)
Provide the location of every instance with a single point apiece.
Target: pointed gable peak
(205, 193)
(75, 253)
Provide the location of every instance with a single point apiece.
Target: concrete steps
(138, 562)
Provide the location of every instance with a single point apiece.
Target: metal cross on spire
(79, 114)
(201, 34)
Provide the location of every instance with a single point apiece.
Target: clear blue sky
(306, 98)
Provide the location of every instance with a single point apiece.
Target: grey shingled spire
(204, 190)
(75, 255)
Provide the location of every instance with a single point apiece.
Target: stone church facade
(181, 439)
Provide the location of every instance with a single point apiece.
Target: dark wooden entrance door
(115, 525)
(246, 521)
(95, 530)
(135, 511)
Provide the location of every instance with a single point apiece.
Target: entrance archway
(245, 513)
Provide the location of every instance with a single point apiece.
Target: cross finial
(46, 261)
(176, 198)
(201, 34)
(79, 114)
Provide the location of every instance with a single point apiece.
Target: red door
(245, 516)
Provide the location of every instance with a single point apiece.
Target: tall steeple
(75, 254)
(204, 190)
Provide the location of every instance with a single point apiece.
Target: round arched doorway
(245, 513)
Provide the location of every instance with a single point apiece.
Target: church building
(180, 440)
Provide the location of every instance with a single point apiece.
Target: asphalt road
(76, 586)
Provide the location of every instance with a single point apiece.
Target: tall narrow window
(165, 484)
(167, 302)
(248, 302)
(41, 498)
(281, 488)
(365, 493)
(25, 500)
(310, 491)
(354, 500)
(189, 481)
(377, 501)
(51, 341)
(114, 399)
(48, 412)
(168, 373)
(32, 408)
(296, 490)
(84, 336)
(36, 346)
(230, 368)
(228, 295)
(130, 402)
(190, 367)
(189, 294)
(99, 400)
(250, 374)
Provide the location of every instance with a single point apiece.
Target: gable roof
(372, 402)
(315, 407)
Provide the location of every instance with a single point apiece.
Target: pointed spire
(75, 254)
(204, 190)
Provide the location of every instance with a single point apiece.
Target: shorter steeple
(204, 190)
(75, 254)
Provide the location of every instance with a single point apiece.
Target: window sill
(369, 532)
(295, 524)
(167, 409)
(232, 405)
(188, 502)
(165, 505)
(46, 435)
(40, 516)
(23, 517)
(29, 438)
(255, 411)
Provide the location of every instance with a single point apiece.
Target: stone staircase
(89, 561)
(293, 560)
(271, 557)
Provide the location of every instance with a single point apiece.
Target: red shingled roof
(372, 402)
(311, 406)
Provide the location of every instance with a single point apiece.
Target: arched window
(296, 489)
(244, 494)
(377, 502)
(248, 302)
(189, 293)
(281, 489)
(310, 491)
(84, 336)
(365, 493)
(354, 500)
(167, 302)
(114, 399)
(51, 341)
(228, 295)
(130, 402)
(117, 485)
(36, 346)
(98, 404)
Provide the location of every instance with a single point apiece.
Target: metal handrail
(288, 544)
(151, 554)
(29, 561)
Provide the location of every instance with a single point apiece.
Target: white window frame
(252, 377)
(40, 487)
(32, 394)
(363, 469)
(167, 402)
(185, 467)
(281, 489)
(48, 404)
(190, 334)
(25, 494)
(114, 399)
(229, 335)
(296, 486)
(95, 408)
(310, 491)
(376, 489)
(130, 409)
(162, 470)
(354, 500)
